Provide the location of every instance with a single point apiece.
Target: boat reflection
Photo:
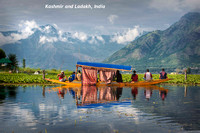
(87, 95)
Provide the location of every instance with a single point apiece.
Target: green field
(176, 79)
(30, 78)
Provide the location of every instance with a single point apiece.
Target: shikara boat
(140, 83)
(102, 69)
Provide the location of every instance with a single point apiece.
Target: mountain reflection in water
(99, 109)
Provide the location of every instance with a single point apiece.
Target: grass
(176, 79)
(24, 78)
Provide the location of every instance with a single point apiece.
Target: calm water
(37, 109)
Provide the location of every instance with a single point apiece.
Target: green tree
(14, 64)
(24, 63)
(2, 54)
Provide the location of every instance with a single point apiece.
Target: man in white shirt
(148, 76)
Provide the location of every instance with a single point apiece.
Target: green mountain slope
(176, 47)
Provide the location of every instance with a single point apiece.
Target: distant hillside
(48, 48)
(176, 47)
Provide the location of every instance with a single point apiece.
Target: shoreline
(53, 84)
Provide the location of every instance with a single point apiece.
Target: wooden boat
(140, 83)
(108, 68)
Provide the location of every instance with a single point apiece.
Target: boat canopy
(104, 66)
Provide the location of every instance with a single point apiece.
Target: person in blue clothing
(72, 77)
(163, 74)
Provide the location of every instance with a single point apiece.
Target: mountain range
(176, 47)
(46, 47)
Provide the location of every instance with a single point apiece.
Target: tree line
(13, 66)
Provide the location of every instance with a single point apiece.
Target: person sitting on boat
(72, 77)
(119, 77)
(134, 77)
(78, 76)
(62, 76)
(148, 76)
(163, 74)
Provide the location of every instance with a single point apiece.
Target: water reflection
(99, 109)
(8, 91)
(134, 92)
(87, 95)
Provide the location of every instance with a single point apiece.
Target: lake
(49, 109)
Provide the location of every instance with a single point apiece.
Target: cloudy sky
(118, 16)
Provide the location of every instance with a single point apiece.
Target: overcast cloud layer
(119, 16)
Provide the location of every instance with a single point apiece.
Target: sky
(115, 17)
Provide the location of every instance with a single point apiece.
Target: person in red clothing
(62, 76)
(134, 77)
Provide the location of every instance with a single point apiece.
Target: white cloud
(47, 29)
(62, 37)
(127, 36)
(112, 18)
(26, 30)
(80, 35)
(100, 38)
(44, 39)
(95, 39)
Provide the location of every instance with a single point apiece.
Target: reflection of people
(118, 92)
(62, 76)
(148, 76)
(134, 92)
(61, 93)
(72, 92)
(119, 77)
(72, 77)
(134, 77)
(78, 75)
(163, 94)
(148, 94)
(163, 74)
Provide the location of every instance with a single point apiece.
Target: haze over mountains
(176, 47)
(48, 47)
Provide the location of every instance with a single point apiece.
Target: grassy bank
(176, 79)
(30, 78)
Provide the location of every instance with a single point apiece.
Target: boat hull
(140, 83)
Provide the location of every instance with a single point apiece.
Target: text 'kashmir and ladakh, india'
(75, 6)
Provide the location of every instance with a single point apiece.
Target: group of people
(147, 76)
(63, 78)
